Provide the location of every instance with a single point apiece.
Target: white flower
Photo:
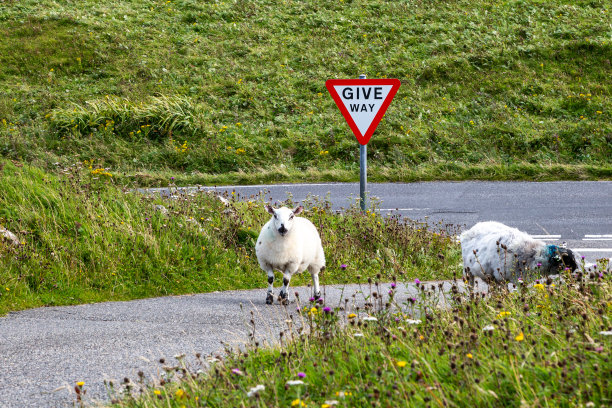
(413, 321)
(295, 382)
(255, 390)
(370, 319)
(358, 334)
(488, 327)
(332, 402)
(606, 333)
(212, 360)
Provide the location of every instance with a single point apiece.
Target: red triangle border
(365, 138)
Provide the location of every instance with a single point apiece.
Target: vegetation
(219, 91)
(545, 344)
(84, 240)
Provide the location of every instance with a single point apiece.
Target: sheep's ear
(298, 210)
(270, 209)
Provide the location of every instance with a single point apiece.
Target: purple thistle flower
(343, 266)
(327, 309)
(539, 264)
(311, 299)
(393, 285)
(417, 281)
(171, 178)
(237, 371)
(301, 374)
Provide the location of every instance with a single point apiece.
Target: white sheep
(289, 244)
(494, 250)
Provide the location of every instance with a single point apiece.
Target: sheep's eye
(291, 217)
(275, 216)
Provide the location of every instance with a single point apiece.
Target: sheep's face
(282, 218)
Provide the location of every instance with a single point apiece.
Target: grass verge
(82, 239)
(545, 344)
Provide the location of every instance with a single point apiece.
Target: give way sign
(363, 102)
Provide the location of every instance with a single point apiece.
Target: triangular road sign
(363, 102)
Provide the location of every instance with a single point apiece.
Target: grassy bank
(234, 91)
(82, 239)
(546, 344)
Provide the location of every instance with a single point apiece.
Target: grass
(545, 344)
(85, 240)
(233, 92)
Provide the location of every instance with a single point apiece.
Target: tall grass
(544, 344)
(83, 239)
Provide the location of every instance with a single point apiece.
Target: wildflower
(352, 316)
(469, 355)
(503, 314)
(520, 337)
(180, 394)
(401, 363)
(343, 266)
(393, 285)
(417, 281)
(370, 319)
(301, 374)
(343, 394)
(313, 311)
(294, 382)
(539, 286)
(413, 321)
(330, 403)
(253, 391)
(358, 334)
(488, 327)
(80, 384)
(237, 371)
(606, 333)
(298, 403)
(327, 309)
(157, 392)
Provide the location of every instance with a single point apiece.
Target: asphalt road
(44, 352)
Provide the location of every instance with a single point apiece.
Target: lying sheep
(492, 250)
(289, 244)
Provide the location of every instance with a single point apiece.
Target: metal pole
(363, 170)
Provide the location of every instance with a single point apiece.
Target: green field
(233, 92)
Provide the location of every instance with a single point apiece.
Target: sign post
(363, 103)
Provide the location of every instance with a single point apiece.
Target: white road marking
(404, 209)
(599, 236)
(593, 249)
(597, 239)
(546, 236)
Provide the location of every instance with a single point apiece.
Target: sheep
(289, 244)
(494, 250)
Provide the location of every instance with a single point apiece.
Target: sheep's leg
(315, 281)
(283, 296)
(270, 297)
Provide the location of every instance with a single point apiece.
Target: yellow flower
(81, 383)
(539, 286)
(180, 394)
(298, 403)
(157, 392)
(520, 337)
(503, 314)
(313, 311)
(352, 316)
(401, 363)
(325, 406)
(469, 355)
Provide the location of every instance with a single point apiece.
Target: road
(44, 352)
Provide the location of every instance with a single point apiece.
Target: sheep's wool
(483, 252)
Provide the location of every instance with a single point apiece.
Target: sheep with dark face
(492, 250)
(289, 244)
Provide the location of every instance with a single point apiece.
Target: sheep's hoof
(283, 298)
(269, 299)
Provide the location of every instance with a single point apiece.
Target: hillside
(221, 91)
